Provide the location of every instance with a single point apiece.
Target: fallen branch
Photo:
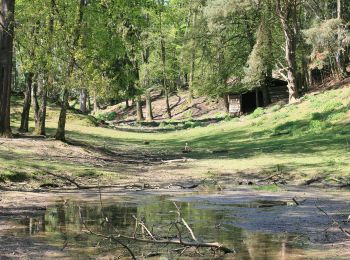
(153, 239)
(313, 180)
(80, 186)
(334, 222)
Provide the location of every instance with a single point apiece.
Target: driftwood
(149, 238)
(313, 180)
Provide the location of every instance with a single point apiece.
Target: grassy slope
(315, 140)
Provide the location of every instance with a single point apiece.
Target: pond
(62, 225)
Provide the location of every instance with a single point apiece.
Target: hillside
(200, 108)
(304, 139)
(266, 159)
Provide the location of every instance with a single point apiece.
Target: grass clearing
(312, 137)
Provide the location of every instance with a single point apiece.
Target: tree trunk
(127, 105)
(149, 114)
(42, 113)
(291, 70)
(94, 101)
(287, 17)
(340, 56)
(7, 8)
(83, 100)
(27, 103)
(265, 90)
(40, 108)
(226, 103)
(139, 110)
(35, 100)
(167, 103)
(61, 133)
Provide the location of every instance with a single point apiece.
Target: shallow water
(212, 221)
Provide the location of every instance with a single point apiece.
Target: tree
(287, 13)
(60, 133)
(6, 53)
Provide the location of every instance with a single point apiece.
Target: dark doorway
(249, 101)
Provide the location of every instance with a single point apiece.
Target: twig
(107, 237)
(334, 221)
(189, 229)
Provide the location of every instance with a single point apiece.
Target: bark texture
(27, 103)
(287, 10)
(61, 127)
(83, 100)
(139, 110)
(7, 8)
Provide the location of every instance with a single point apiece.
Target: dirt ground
(151, 174)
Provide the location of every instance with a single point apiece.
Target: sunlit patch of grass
(14, 176)
(310, 137)
(269, 188)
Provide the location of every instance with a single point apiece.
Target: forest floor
(303, 145)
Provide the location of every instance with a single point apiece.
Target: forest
(174, 129)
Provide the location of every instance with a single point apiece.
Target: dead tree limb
(334, 222)
(118, 237)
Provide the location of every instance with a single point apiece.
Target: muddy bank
(260, 216)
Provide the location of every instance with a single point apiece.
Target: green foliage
(14, 176)
(258, 112)
(324, 37)
(109, 116)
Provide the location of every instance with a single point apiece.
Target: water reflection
(61, 226)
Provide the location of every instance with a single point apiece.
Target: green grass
(312, 137)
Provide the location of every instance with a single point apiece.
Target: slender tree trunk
(139, 110)
(94, 101)
(60, 134)
(83, 100)
(42, 113)
(149, 114)
(163, 59)
(146, 85)
(40, 108)
(291, 71)
(35, 100)
(88, 100)
(287, 17)
(127, 105)
(27, 103)
(225, 98)
(193, 60)
(7, 8)
(340, 56)
(265, 91)
(167, 103)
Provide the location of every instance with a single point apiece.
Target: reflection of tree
(264, 246)
(63, 226)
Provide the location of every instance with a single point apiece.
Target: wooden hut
(247, 101)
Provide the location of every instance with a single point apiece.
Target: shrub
(317, 125)
(109, 116)
(275, 108)
(258, 112)
(332, 105)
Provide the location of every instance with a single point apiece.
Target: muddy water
(61, 226)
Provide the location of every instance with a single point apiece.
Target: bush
(317, 126)
(109, 116)
(191, 124)
(258, 112)
(332, 105)
(274, 108)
